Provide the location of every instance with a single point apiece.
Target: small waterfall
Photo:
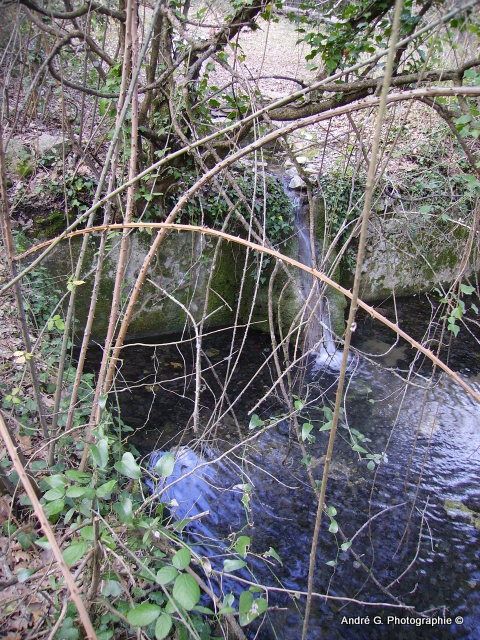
(318, 336)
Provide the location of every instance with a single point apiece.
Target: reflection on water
(419, 550)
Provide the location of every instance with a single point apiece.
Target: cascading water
(319, 337)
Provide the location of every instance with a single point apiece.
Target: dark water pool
(421, 546)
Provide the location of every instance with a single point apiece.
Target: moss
(50, 224)
(455, 508)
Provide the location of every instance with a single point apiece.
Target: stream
(424, 497)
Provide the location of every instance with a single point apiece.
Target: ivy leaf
(24, 574)
(163, 626)
(100, 453)
(182, 558)
(128, 467)
(78, 476)
(75, 552)
(143, 614)
(298, 404)
(186, 591)
(306, 428)
(165, 465)
(124, 510)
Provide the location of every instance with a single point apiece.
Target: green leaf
(105, 490)
(75, 552)
(124, 509)
(255, 422)
(358, 448)
(333, 528)
(166, 575)
(76, 492)
(143, 614)
(465, 119)
(78, 476)
(186, 591)
(241, 545)
(112, 589)
(182, 558)
(250, 608)
(454, 328)
(246, 599)
(230, 565)
(43, 543)
(54, 494)
(128, 467)
(56, 481)
(298, 404)
(425, 208)
(271, 553)
(99, 453)
(165, 465)
(163, 626)
(345, 546)
(327, 426)
(371, 465)
(87, 533)
(327, 412)
(467, 289)
(306, 428)
(54, 508)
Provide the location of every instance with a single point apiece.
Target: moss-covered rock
(182, 267)
(409, 253)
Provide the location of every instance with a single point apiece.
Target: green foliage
(457, 308)
(271, 206)
(357, 29)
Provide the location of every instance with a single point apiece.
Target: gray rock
(47, 143)
(22, 155)
(297, 183)
(18, 158)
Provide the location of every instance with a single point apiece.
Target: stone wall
(182, 267)
(410, 253)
